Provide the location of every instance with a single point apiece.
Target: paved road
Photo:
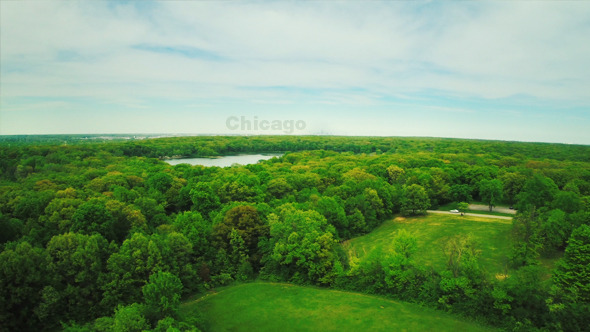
(481, 207)
(471, 214)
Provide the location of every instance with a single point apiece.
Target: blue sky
(490, 70)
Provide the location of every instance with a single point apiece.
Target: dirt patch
(399, 219)
(501, 276)
(434, 224)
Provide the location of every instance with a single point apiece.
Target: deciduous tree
(463, 207)
(490, 192)
(303, 245)
(23, 275)
(162, 295)
(526, 239)
(78, 263)
(415, 200)
(246, 221)
(573, 270)
(537, 192)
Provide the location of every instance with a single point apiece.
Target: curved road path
(471, 214)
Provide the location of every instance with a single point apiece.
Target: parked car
(455, 211)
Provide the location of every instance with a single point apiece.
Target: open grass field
(284, 307)
(492, 235)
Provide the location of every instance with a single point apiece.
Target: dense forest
(103, 234)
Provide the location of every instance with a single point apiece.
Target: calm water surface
(225, 161)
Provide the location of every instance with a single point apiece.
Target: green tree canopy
(526, 238)
(78, 262)
(247, 222)
(567, 201)
(463, 206)
(573, 271)
(415, 200)
(490, 192)
(94, 217)
(130, 268)
(538, 191)
(162, 295)
(512, 184)
(204, 198)
(130, 319)
(302, 245)
(23, 275)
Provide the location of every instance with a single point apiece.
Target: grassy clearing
(284, 307)
(490, 213)
(493, 236)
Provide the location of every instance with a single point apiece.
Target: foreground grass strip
(283, 307)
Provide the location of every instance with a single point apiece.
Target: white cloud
(351, 53)
(495, 51)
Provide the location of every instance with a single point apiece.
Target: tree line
(106, 236)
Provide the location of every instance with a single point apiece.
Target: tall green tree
(278, 188)
(334, 213)
(461, 252)
(302, 246)
(522, 297)
(247, 222)
(178, 257)
(512, 183)
(537, 192)
(490, 192)
(23, 276)
(196, 229)
(572, 275)
(93, 217)
(461, 193)
(10, 229)
(463, 207)
(556, 229)
(79, 262)
(401, 276)
(567, 201)
(526, 238)
(130, 318)
(404, 246)
(395, 174)
(162, 295)
(238, 257)
(415, 200)
(129, 269)
(204, 198)
(462, 282)
(160, 181)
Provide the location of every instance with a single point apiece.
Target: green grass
(492, 235)
(493, 213)
(284, 307)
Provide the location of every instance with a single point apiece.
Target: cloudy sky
(491, 70)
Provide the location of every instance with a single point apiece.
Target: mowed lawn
(283, 307)
(431, 231)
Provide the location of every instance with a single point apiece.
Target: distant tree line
(105, 236)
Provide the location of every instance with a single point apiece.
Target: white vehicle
(454, 211)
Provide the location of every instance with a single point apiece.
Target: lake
(225, 161)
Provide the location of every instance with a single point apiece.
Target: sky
(517, 70)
